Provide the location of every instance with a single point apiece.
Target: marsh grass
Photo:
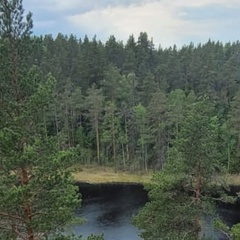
(102, 174)
(233, 179)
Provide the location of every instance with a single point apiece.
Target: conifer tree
(94, 103)
(158, 136)
(180, 194)
(37, 196)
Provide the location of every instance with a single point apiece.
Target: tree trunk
(126, 135)
(72, 127)
(27, 206)
(123, 157)
(229, 157)
(67, 125)
(198, 183)
(114, 143)
(97, 140)
(146, 157)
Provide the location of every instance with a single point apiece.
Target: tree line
(122, 104)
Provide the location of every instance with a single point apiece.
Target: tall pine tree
(37, 196)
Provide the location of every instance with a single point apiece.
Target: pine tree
(180, 195)
(157, 122)
(140, 115)
(233, 132)
(110, 132)
(37, 196)
(130, 56)
(114, 52)
(94, 103)
(176, 108)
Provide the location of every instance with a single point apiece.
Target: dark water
(108, 209)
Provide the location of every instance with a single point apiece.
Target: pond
(108, 209)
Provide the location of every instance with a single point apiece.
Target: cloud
(80, 5)
(165, 21)
(202, 3)
(168, 22)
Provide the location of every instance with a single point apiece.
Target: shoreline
(105, 175)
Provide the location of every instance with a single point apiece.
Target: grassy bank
(103, 174)
(98, 174)
(233, 179)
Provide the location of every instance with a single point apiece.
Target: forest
(133, 106)
(124, 104)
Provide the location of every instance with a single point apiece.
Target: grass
(98, 174)
(103, 174)
(233, 179)
(229, 179)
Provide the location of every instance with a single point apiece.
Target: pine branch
(6, 215)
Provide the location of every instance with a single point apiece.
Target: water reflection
(108, 209)
(230, 214)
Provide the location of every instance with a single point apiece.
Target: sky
(167, 22)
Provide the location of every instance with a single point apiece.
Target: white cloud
(163, 20)
(81, 5)
(203, 3)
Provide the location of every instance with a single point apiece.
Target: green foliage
(218, 224)
(129, 75)
(157, 134)
(110, 84)
(171, 213)
(37, 192)
(233, 134)
(187, 75)
(231, 232)
(236, 231)
(34, 172)
(179, 195)
(94, 103)
(198, 137)
(140, 114)
(176, 108)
